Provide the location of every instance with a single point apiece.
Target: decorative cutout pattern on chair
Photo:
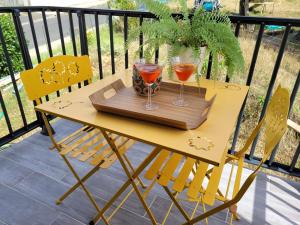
(55, 74)
(59, 73)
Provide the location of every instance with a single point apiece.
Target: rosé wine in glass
(149, 72)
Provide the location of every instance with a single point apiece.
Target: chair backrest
(275, 124)
(276, 120)
(55, 74)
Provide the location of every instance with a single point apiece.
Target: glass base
(180, 102)
(151, 107)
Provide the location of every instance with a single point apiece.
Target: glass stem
(149, 103)
(181, 91)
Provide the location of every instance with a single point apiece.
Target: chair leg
(120, 205)
(195, 209)
(209, 213)
(75, 186)
(231, 219)
(93, 201)
(229, 179)
(138, 170)
(169, 210)
(204, 208)
(129, 175)
(183, 212)
(132, 170)
(147, 191)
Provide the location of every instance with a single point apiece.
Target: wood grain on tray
(120, 100)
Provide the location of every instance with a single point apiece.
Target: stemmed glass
(183, 68)
(149, 72)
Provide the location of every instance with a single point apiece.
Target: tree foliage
(12, 46)
(123, 5)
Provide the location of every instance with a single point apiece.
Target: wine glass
(184, 68)
(149, 72)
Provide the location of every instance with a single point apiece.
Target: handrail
(145, 14)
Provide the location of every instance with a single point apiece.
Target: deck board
(32, 177)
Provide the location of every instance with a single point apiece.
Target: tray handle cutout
(108, 91)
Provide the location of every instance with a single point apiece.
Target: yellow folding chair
(87, 144)
(162, 170)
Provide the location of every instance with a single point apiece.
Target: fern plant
(211, 29)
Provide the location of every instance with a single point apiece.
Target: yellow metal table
(215, 131)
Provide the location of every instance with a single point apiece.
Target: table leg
(130, 180)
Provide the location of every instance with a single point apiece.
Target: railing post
(83, 37)
(21, 39)
(82, 32)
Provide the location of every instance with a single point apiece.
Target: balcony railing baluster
(112, 48)
(82, 33)
(36, 45)
(271, 85)
(237, 29)
(98, 46)
(61, 34)
(125, 39)
(248, 83)
(295, 158)
(4, 110)
(72, 32)
(47, 33)
(48, 40)
(236, 33)
(208, 73)
(141, 38)
(294, 91)
(12, 76)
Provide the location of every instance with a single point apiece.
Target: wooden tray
(118, 99)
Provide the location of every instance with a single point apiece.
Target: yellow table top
(214, 133)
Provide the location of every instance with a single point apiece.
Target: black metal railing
(77, 17)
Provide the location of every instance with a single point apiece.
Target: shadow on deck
(33, 177)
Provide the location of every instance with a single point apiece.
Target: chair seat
(166, 163)
(87, 144)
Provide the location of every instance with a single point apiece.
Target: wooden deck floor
(32, 178)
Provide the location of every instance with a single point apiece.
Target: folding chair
(204, 186)
(87, 144)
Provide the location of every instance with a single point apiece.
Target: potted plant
(190, 35)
